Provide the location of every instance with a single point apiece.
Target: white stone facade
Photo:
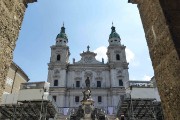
(107, 80)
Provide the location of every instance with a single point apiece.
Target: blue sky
(87, 22)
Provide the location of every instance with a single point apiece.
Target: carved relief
(98, 73)
(117, 51)
(88, 59)
(78, 73)
(78, 78)
(58, 51)
(98, 78)
(88, 74)
(56, 71)
(119, 73)
(56, 76)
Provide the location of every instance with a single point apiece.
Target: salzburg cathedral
(108, 81)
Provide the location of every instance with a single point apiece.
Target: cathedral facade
(108, 81)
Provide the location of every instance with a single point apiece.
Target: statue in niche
(87, 81)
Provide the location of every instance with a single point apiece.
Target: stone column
(11, 16)
(161, 22)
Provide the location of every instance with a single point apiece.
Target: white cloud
(101, 53)
(129, 55)
(146, 77)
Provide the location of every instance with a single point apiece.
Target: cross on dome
(88, 48)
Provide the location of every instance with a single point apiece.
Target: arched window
(99, 99)
(120, 82)
(58, 57)
(98, 83)
(77, 83)
(76, 98)
(55, 82)
(117, 57)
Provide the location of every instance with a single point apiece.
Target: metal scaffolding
(36, 110)
(139, 109)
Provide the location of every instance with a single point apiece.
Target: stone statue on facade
(87, 81)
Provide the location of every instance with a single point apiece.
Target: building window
(98, 83)
(55, 82)
(54, 98)
(120, 83)
(77, 83)
(117, 57)
(76, 98)
(99, 99)
(58, 57)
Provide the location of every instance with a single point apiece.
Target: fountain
(87, 110)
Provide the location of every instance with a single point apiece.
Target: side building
(15, 77)
(108, 80)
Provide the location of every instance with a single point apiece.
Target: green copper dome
(62, 34)
(113, 33)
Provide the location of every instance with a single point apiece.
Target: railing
(78, 88)
(109, 110)
(67, 110)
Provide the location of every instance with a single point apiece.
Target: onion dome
(113, 33)
(62, 34)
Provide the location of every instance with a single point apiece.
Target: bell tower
(117, 60)
(60, 52)
(116, 51)
(59, 60)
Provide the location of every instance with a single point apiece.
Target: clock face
(88, 59)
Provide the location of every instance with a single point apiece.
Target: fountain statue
(86, 110)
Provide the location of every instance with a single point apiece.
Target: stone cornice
(30, 1)
(59, 46)
(134, 1)
(114, 65)
(83, 67)
(59, 89)
(27, 1)
(52, 66)
(87, 65)
(116, 46)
